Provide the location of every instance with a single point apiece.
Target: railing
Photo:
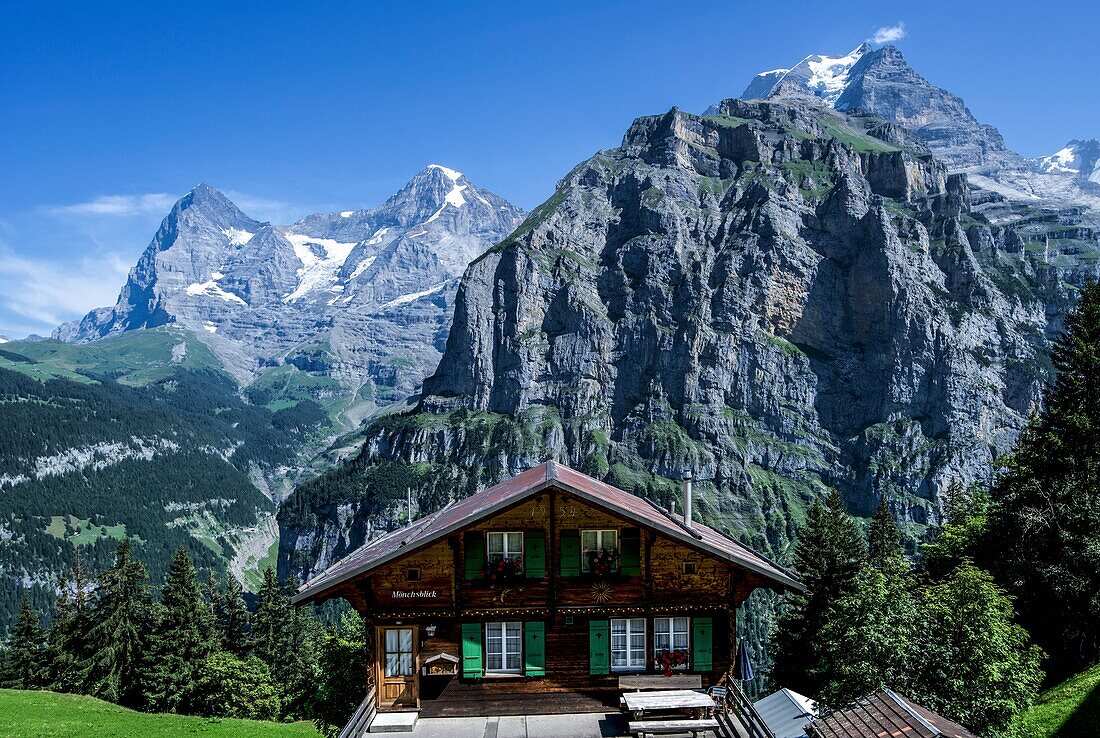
(360, 721)
(734, 704)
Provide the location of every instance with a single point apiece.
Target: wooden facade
(557, 618)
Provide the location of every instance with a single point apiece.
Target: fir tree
(828, 556)
(67, 641)
(234, 623)
(1045, 520)
(25, 662)
(871, 639)
(271, 625)
(122, 620)
(883, 538)
(301, 671)
(182, 639)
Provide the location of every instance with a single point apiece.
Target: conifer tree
(181, 640)
(234, 623)
(67, 641)
(122, 619)
(828, 556)
(871, 639)
(1045, 520)
(25, 661)
(271, 625)
(883, 538)
(301, 671)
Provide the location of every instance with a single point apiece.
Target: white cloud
(118, 205)
(38, 294)
(889, 34)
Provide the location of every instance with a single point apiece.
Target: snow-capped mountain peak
(452, 174)
(371, 285)
(1079, 157)
(822, 75)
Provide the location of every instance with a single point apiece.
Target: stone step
(393, 722)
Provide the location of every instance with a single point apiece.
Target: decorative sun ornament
(602, 593)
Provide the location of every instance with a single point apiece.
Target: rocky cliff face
(357, 302)
(779, 296)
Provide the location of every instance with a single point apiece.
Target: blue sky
(112, 110)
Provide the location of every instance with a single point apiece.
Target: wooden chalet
(550, 583)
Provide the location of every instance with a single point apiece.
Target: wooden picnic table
(639, 703)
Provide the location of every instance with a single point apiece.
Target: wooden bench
(643, 728)
(642, 682)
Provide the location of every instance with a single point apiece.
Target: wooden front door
(397, 673)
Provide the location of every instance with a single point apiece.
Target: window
(671, 634)
(628, 644)
(599, 551)
(503, 643)
(412, 574)
(689, 567)
(505, 546)
(399, 652)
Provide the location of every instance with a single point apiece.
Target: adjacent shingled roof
(459, 514)
(885, 713)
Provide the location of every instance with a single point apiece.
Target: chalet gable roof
(461, 513)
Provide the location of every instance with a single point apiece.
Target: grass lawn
(49, 714)
(1070, 710)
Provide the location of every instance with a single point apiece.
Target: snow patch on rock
(318, 272)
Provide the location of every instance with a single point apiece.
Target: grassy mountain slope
(53, 715)
(1069, 710)
(134, 358)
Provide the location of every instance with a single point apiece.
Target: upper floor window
(504, 552)
(600, 551)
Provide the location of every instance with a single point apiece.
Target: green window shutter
(534, 554)
(471, 650)
(571, 553)
(599, 647)
(474, 544)
(630, 552)
(702, 649)
(534, 648)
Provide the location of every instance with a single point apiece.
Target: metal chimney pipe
(686, 477)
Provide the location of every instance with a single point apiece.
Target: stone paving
(590, 725)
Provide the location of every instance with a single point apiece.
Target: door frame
(380, 666)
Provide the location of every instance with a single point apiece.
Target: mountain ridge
(356, 300)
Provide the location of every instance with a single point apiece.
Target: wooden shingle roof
(462, 513)
(885, 714)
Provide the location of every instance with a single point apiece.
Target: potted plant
(668, 661)
(603, 563)
(504, 570)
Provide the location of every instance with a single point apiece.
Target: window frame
(505, 550)
(504, 653)
(585, 567)
(629, 650)
(400, 653)
(670, 632)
